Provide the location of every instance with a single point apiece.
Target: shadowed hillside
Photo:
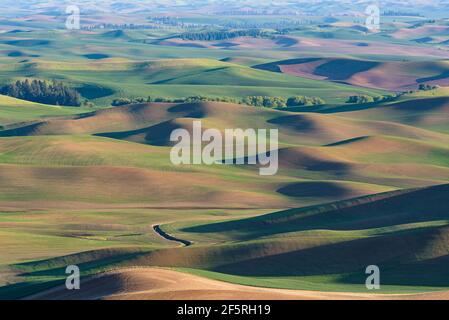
(365, 73)
(361, 164)
(388, 209)
(322, 157)
(426, 112)
(296, 248)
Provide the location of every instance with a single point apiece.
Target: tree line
(364, 98)
(222, 35)
(191, 99)
(281, 102)
(256, 101)
(47, 92)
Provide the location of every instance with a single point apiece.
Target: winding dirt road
(166, 236)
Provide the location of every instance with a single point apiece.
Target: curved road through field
(166, 236)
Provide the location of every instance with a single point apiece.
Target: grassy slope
(316, 248)
(41, 163)
(38, 205)
(426, 109)
(398, 76)
(14, 110)
(180, 78)
(327, 247)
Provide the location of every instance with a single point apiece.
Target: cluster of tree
(113, 26)
(364, 98)
(281, 102)
(427, 87)
(392, 13)
(47, 92)
(165, 21)
(304, 101)
(360, 99)
(124, 101)
(268, 102)
(257, 101)
(88, 104)
(191, 99)
(222, 35)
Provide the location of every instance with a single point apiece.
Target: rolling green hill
(388, 75)
(323, 247)
(113, 198)
(178, 78)
(425, 110)
(14, 110)
(357, 185)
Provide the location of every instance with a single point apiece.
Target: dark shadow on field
(28, 43)
(335, 69)
(442, 76)
(24, 289)
(400, 248)
(17, 31)
(343, 69)
(348, 141)
(376, 211)
(157, 135)
(360, 28)
(91, 91)
(274, 66)
(16, 54)
(116, 34)
(423, 105)
(191, 110)
(314, 189)
(353, 107)
(432, 272)
(226, 45)
(21, 131)
(286, 42)
(87, 261)
(295, 122)
(423, 40)
(294, 158)
(96, 56)
(87, 267)
(416, 105)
